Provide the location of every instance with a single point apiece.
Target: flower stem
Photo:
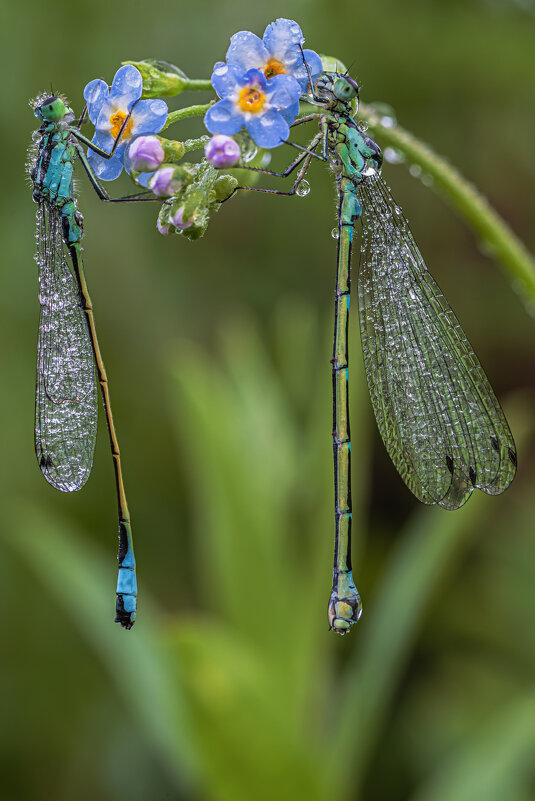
(466, 199)
(185, 113)
(199, 84)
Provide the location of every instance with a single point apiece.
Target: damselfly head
(50, 108)
(334, 88)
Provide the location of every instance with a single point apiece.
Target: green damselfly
(68, 352)
(436, 411)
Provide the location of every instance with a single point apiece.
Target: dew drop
(387, 115)
(427, 179)
(393, 156)
(398, 209)
(36, 136)
(249, 154)
(303, 188)
(415, 170)
(363, 125)
(335, 233)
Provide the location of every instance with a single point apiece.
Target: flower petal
(104, 140)
(143, 178)
(269, 129)
(282, 38)
(126, 87)
(103, 123)
(224, 118)
(149, 117)
(315, 66)
(246, 51)
(105, 169)
(226, 79)
(254, 77)
(95, 94)
(282, 91)
(290, 113)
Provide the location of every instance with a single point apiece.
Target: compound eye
(345, 88)
(353, 83)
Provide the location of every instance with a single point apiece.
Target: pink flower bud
(167, 181)
(222, 151)
(178, 219)
(145, 154)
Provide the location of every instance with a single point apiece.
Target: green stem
(465, 198)
(197, 84)
(186, 113)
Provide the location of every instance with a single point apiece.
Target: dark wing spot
(494, 443)
(473, 475)
(449, 462)
(512, 456)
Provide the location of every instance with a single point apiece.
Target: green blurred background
(230, 687)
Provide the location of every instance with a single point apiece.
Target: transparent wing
(437, 413)
(66, 408)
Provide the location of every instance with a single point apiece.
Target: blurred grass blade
(492, 762)
(149, 683)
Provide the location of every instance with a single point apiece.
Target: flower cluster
(259, 85)
(261, 82)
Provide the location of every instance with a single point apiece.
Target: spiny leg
(304, 158)
(82, 119)
(138, 197)
(314, 96)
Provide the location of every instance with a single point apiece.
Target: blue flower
(279, 53)
(108, 109)
(266, 108)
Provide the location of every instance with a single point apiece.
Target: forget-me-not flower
(278, 53)
(266, 108)
(108, 108)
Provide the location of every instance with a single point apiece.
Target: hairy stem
(186, 113)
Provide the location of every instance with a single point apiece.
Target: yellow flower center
(274, 67)
(251, 99)
(116, 122)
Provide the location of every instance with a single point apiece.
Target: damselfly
(437, 413)
(66, 410)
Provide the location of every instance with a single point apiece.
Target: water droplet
(303, 188)
(335, 233)
(398, 209)
(427, 179)
(393, 156)
(36, 136)
(386, 114)
(363, 125)
(369, 171)
(415, 170)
